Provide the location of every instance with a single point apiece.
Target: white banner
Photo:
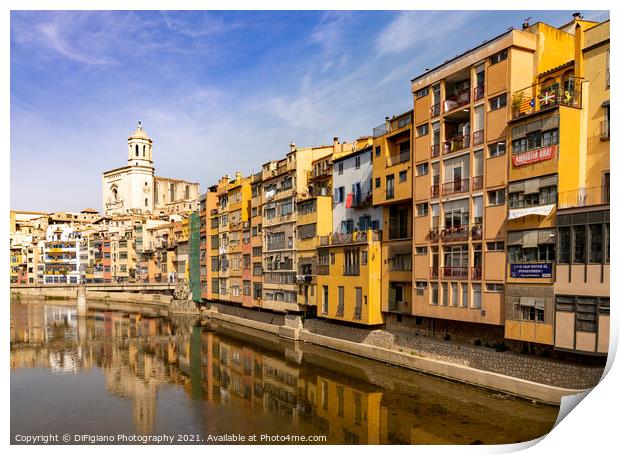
(539, 210)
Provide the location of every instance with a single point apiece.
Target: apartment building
(465, 168)
(314, 220)
(392, 174)
(282, 182)
(256, 238)
(349, 257)
(238, 196)
(547, 169)
(582, 274)
(61, 255)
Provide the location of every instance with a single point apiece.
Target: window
(325, 300)
(497, 102)
(340, 167)
(495, 246)
(464, 295)
(532, 309)
(497, 149)
(500, 56)
(497, 197)
(339, 194)
(564, 234)
(421, 93)
(346, 226)
(422, 169)
(306, 231)
(596, 243)
(402, 176)
(378, 150)
(421, 250)
(579, 244)
(378, 182)
(421, 209)
(422, 130)
(494, 287)
(477, 296)
(434, 294)
(389, 187)
(444, 294)
(357, 162)
(364, 257)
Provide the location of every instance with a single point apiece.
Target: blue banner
(536, 270)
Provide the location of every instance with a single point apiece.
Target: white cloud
(411, 28)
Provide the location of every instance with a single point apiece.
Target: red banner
(533, 156)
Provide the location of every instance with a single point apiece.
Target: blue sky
(217, 91)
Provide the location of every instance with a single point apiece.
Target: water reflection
(251, 383)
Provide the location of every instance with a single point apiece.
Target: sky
(218, 92)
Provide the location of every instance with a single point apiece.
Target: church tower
(140, 148)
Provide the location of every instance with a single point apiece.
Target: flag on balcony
(526, 105)
(547, 97)
(349, 200)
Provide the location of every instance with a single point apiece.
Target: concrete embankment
(494, 381)
(70, 293)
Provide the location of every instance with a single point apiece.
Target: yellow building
(548, 151)
(314, 220)
(239, 194)
(582, 279)
(392, 191)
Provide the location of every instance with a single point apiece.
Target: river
(121, 373)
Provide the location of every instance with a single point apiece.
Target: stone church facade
(135, 189)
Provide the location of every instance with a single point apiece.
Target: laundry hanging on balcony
(349, 202)
(544, 210)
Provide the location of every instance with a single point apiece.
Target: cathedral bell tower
(140, 148)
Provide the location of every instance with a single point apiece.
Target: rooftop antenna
(526, 23)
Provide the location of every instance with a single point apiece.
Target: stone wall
(536, 369)
(260, 316)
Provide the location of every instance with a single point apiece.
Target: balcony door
(457, 174)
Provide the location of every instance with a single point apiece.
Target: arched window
(137, 150)
(144, 150)
(186, 191)
(146, 202)
(172, 198)
(114, 194)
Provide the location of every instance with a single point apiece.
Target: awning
(543, 210)
(532, 302)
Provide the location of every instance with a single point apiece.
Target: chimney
(293, 146)
(238, 175)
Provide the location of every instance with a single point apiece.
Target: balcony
(275, 246)
(351, 269)
(322, 269)
(434, 191)
(454, 187)
(340, 310)
(402, 157)
(542, 96)
(455, 234)
(476, 273)
(462, 98)
(479, 92)
(435, 150)
(342, 238)
(435, 110)
(478, 137)
(434, 235)
(584, 197)
(456, 143)
(433, 273)
(454, 273)
(477, 182)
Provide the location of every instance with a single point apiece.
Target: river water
(121, 373)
